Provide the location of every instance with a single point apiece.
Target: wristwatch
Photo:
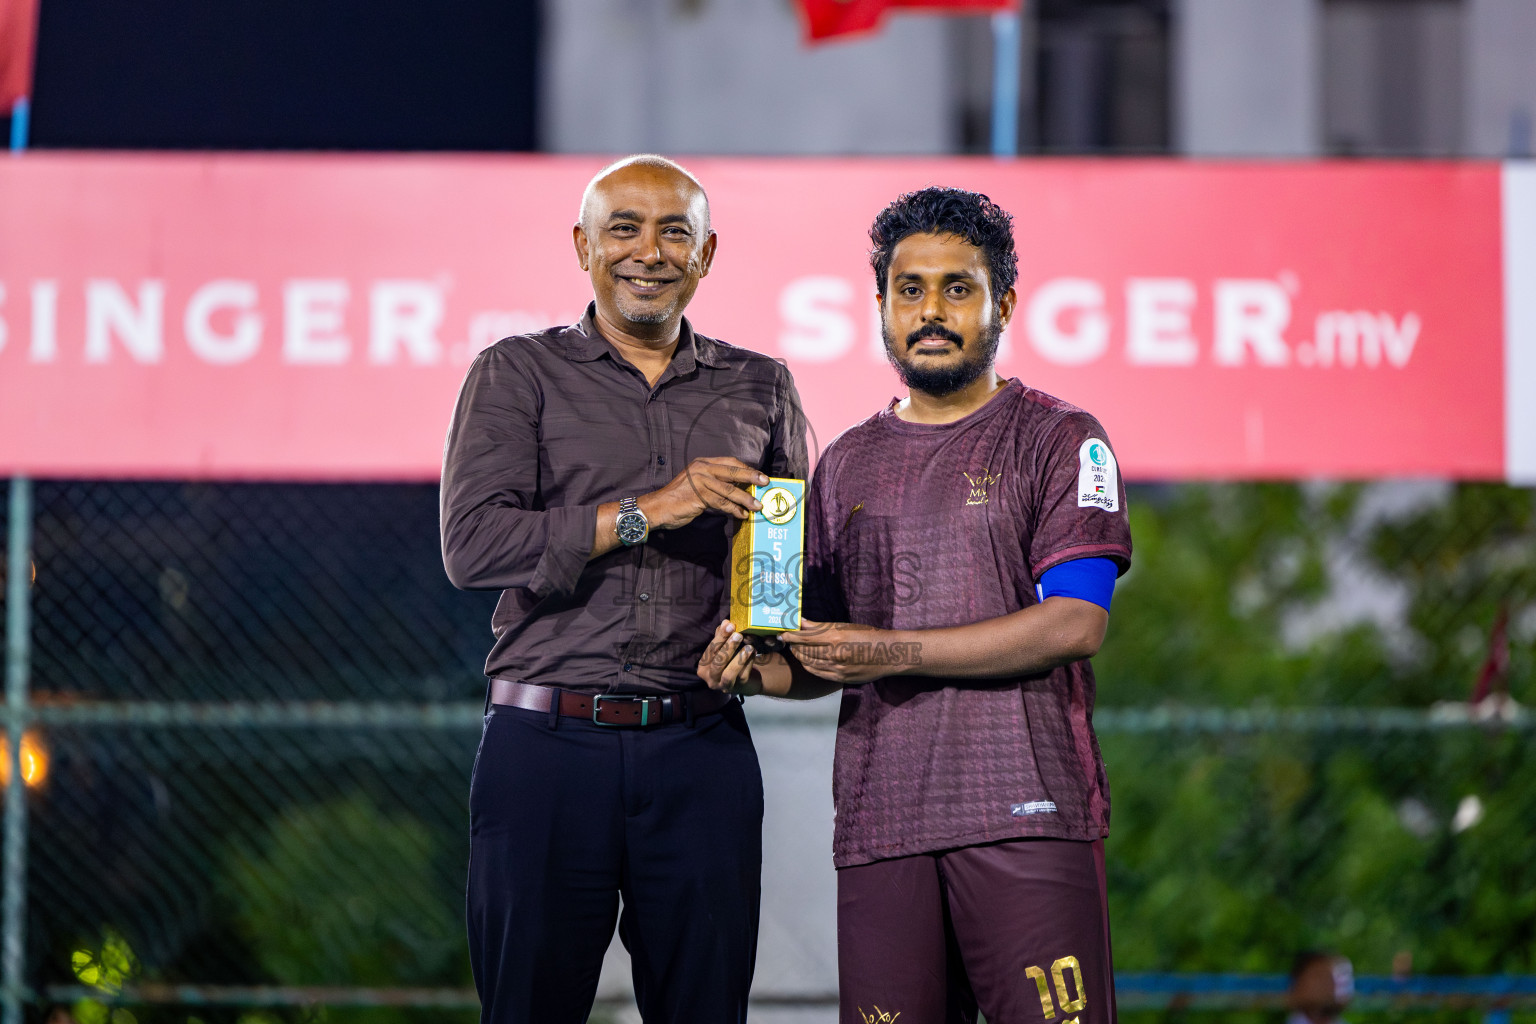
(632, 526)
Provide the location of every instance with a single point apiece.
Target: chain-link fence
(258, 706)
(252, 711)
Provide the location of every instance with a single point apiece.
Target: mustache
(934, 331)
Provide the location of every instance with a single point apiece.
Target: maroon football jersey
(922, 526)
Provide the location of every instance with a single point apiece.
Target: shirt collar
(584, 343)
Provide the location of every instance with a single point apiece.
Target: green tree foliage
(106, 969)
(335, 895)
(1215, 609)
(1233, 852)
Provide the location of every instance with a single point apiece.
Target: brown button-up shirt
(548, 427)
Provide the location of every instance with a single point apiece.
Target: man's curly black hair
(947, 211)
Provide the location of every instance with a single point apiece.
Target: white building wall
(733, 77)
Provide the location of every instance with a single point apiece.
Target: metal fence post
(18, 586)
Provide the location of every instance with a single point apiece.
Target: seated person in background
(1322, 984)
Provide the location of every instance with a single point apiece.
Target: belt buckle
(645, 709)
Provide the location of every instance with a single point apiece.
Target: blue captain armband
(1087, 579)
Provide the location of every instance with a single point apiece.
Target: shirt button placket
(650, 575)
(644, 616)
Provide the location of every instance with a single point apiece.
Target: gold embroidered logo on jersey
(879, 1016)
(979, 485)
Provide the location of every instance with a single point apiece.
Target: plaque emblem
(778, 505)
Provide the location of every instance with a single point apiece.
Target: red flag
(18, 32)
(827, 18)
(1493, 678)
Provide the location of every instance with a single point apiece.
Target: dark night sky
(287, 74)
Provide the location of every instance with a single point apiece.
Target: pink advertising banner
(311, 317)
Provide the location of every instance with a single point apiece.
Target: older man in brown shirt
(594, 474)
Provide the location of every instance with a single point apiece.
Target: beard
(645, 313)
(976, 358)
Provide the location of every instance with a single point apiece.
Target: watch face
(631, 527)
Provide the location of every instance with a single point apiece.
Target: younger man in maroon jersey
(962, 548)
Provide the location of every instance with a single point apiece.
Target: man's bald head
(644, 240)
(652, 162)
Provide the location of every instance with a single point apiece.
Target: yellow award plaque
(767, 559)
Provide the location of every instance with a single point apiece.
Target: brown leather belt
(627, 709)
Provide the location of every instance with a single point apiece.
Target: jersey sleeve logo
(1098, 478)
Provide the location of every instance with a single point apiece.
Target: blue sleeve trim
(1087, 579)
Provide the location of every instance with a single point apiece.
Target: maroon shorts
(1017, 929)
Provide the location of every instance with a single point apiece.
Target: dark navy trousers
(566, 815)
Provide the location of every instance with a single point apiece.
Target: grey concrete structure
(1500, 94)
(732, 77)
(1393, 77)
(1247, 77)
